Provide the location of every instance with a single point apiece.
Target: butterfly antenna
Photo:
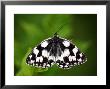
(60, 28)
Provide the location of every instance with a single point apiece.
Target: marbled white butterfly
(56, 50)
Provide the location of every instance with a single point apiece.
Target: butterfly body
(55, 50)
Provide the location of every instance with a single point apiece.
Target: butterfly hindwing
(40, 56)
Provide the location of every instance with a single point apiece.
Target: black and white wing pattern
(58, 51)
(40, 56)
(70, 55)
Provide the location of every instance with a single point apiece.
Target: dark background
(31, 29)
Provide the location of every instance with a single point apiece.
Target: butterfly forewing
(40, 55)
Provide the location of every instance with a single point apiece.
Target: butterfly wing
(64, 53)
(40, 55)
(70, 55)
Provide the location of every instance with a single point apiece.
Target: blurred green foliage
(31, 29)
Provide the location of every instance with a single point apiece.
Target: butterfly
(56, 50)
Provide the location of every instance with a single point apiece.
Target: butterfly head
(56, 35)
